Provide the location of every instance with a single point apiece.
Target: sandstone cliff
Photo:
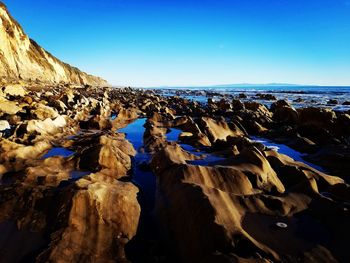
(22, 59)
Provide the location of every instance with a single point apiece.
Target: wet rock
(254, 127)
(224, 105)
(317, 116)
(332, 102)
(317, 124)
(258, 108)
(169, 155)
(300, 172)
(286, 114)
(266, 96)
(161, 119)
(299, 100)
(14, 120)
(279, 104)
(301, 144)
(237, 105)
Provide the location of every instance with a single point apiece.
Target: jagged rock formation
(74, 189)
(253, 205)
(22, 59)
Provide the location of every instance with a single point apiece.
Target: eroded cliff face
(21, 58)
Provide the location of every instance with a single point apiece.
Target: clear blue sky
(195, 42)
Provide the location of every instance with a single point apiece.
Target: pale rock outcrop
(4, 125)
(47, 126)
(8, 107)
(15, 90)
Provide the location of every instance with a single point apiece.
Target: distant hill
(256, 85)
(22, 59)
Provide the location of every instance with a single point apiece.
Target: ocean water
(298, 96)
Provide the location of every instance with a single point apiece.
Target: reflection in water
(284, 149)
(207, 159)
(58, 151)
(141, 177)
(19, 245)
(173, 134)
(141, 247)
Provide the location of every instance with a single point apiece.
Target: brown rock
(218, 129)
(111, 155)
(103, 218)
(286, 114)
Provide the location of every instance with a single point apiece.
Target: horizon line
(231, 85)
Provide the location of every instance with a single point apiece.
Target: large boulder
(286, 114)
(110, 154)
(103, 217)
(279, 104)
(323, 118)
(15, 90)
(8, 107)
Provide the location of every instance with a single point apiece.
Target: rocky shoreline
(69, 192)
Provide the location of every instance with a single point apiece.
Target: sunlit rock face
(22, 59)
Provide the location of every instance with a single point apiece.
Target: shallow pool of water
(208, 158)
(58, 151)
(76, 175)
(147, 237)
(284, 149)
(173, 135)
